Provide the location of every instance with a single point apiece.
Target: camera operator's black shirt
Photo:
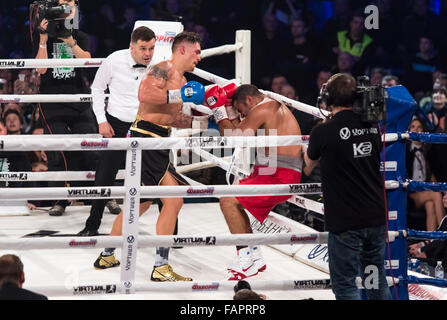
(63, 80)
(349, 153)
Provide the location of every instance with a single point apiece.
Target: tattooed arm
(153, 86)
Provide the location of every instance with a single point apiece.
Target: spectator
(390, 81)
(268, 39)
(65, 118)
(377, 75)
(345, 63)
(421, 68)
(4, 86)
(278, 82)
(2, 129)
(418, 169)
(420, 21)
(13, 121)
(310, 95)
(436, 107)
(12, 278)
(340, 20)
(433, 251)
(242, 291)
(289, 92)
(304, 119)
(300, 49)
(354, 40)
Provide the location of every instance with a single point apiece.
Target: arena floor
(75, 266)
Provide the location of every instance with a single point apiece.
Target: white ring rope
(76, 289)
(209, 191)
(21, 143)
(94, 62)
(195, 286)
(161, 240)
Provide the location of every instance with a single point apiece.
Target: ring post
(243, 56)
(400, 108)
(131, 214)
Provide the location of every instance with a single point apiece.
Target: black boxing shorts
(154, 163)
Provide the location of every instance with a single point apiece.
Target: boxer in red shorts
(280, 165)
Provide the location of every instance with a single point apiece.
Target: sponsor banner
(309, 188)
(389, 166)
(85, 243)
(301, 239)
(12, 64)
(10, 176)
(392, 215)
(394, 264)
(93, 193)
(198, 190)
(199, 241)
(276, 223)
(315, 255)
(205, 142)
(312, 284)
(103, 144)
(99, 289)
(214, 286)
(13, 100)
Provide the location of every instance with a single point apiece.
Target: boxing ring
(287, 245)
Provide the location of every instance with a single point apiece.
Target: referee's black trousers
(108, 165)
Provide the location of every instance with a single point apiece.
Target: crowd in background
(296, 46)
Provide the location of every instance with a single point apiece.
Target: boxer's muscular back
(153, 94)
(284, 122)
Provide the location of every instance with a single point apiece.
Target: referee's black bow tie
(139, 66)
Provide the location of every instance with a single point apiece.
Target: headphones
(329, 100)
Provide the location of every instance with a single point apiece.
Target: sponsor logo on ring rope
(312, 284)
(101, 289)
(14, 176)
(310, 237)
(202, 142)
(305, 188)
(86, 243)
(207, 241)
(104, 143)
(206, 287)
(104, 192)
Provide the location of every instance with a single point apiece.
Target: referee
(121, 73)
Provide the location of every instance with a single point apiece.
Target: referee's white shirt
(117, 73)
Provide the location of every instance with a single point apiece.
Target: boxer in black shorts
(161, 94)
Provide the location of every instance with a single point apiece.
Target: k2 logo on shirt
(363, 149)
(345, 133)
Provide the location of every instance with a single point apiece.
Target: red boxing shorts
(260, 207)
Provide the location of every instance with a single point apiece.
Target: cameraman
(58, 41)
(349, 154)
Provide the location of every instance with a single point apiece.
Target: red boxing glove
(230, 89)
(232, 113)
(215, 99)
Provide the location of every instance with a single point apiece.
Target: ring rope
(196, 286)
(94, 62)
(161, 240)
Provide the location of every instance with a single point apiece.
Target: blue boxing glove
(192, 91)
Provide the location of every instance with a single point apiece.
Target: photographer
(58, 39)
(349, 153)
